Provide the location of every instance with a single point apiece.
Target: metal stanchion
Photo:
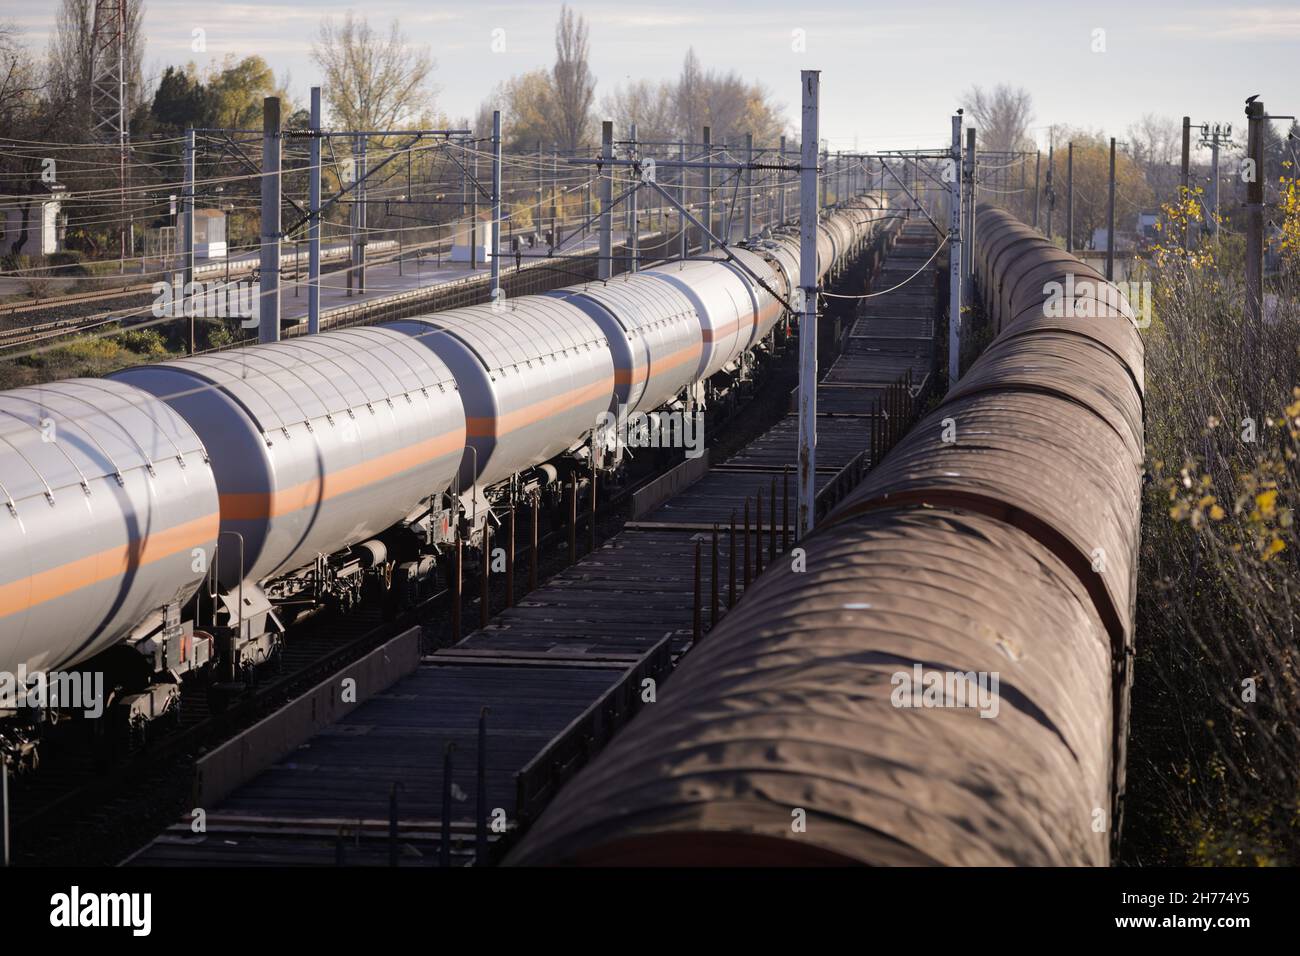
(731, 559)
(697, 624)
(510, 557)
(485, 579)
(444, 847)
(713, 582)
(480, 828)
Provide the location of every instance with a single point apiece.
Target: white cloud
(1249, 23)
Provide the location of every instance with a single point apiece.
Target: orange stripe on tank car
(722, 331)
(624, 376)
(496, 426)
(112, 562)
(258, 505)
(771, 313)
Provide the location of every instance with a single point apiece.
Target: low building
(32, 222)
(209, 233)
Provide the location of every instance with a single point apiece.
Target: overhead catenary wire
(872, 295)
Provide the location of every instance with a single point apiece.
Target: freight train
(942, 675)
(186, 511)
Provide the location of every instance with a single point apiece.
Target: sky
(891, 73)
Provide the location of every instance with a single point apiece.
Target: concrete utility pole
(1254, 170)
(1214, 137)
(473, 215)
(496, 206)
(968, 247)
(363, 217)
(541, 185)
(954, 257)
(313, 222)
(1038, 165)
(1186, 171)
(354, 211)
(707, 176)
(1069, 197)
(811, 84)
(684, 238)
(187, 223)
(1051, 193)
(604, 266)
(749, 185)
(1110, 217)
(555, 197)
(269, 283)
(781, 186)
(1024, 171)
(633, 237)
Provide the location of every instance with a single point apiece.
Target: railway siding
(551, 678)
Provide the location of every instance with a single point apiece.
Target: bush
(1214, 758)
(86, 355)
(38, 279)
(70, 262)
(148, 343)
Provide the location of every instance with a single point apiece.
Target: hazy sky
(891, 72)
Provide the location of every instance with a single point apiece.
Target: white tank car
(535, 374)
(653, 332)
(110, 515)
(318, 443)
(767, 308)
(784, 256)
(723, 302)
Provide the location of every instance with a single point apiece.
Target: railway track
(32, 334)
(293, 262)
(77, 809)
(83, 807)
(78, 298)
(86, 808)
(547, 650)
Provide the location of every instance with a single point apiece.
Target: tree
(20, 118)
(649, 105)
(235, 94)
(725, 102)
(370, 81)
(1156, 144)
(692, 98)
(1155, 141)
(72, 59)
(1001, 116)
(1091, 185)
(526, 103)
(574, 87)
(181, 100)
(19, 83)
